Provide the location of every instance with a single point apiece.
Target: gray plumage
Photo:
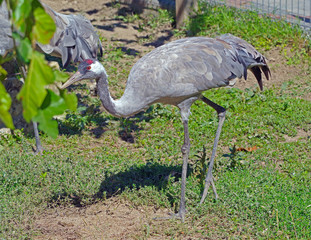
(185, 68)
(178, 73)
(74, 39)
(6, 42)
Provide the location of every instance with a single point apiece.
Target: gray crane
(74, 40)
(178, 73)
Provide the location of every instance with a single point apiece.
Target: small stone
(5, 131)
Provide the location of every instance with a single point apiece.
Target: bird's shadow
(150, 174)
(160, 40)
(71, 10)
(112, 27)
(136, 177)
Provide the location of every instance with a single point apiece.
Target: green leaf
(33, 92)
(22, 15)
(3, 73)
(48, 125)
(44, 27)
(5, 104)
(60, 76)
(52, 105)
(70, 99)
(25, 49)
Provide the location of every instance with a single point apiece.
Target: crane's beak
(74, 78)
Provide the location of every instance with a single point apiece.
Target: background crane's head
(88, 69)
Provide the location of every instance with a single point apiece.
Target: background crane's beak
(74, 78)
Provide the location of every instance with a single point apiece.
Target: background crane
(178, 73)
(74, 40)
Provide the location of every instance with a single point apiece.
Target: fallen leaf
(248, 149)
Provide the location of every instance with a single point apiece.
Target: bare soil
(113, 218)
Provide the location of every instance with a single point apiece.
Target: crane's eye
(88, 67)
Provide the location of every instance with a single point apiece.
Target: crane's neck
(124, 107)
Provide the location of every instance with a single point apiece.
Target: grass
(264, 194)
(262, 31)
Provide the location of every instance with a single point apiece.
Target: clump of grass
(262, 31)
(164, 17)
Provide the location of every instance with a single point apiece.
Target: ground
(115, 218)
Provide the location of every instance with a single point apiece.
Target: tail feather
(249, 57)
(257, 73)
(266, 71)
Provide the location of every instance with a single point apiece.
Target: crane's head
(88, 69)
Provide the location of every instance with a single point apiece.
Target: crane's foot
(38, 151)
(179, 215)
(208, 182)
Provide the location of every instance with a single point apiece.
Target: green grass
(261, 31)
(263, 194)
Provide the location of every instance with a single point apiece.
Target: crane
(177, 73)
(74, 40)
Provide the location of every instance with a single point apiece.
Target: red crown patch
(89, 61)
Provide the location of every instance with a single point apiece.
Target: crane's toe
(179, 215)
(208, 182)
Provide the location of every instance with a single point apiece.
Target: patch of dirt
(301, 134)
(103, 17)
(113, 219)
(280, 71)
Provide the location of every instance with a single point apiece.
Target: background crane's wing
(6, 42)
(74, 40)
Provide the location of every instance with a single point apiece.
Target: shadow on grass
(75, 124)
(89, 117)
(151, 174)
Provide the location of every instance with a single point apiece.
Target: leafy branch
(30, 24)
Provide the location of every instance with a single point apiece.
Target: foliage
(5, 104)
(31, 24)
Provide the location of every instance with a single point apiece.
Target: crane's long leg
(184, 108)
(39, 148)
(209, 177)
(185, 149)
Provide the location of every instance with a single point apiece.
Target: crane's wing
(187, 67)
(6, 42)
(74, 40)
